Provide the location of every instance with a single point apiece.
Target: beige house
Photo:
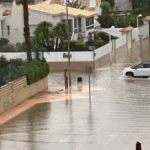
(11, 26)
(91, 5)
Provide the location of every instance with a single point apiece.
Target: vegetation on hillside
(109, 17)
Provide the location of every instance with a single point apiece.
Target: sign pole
(89, 89)
(89, 71)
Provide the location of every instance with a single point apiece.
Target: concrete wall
(18, 91)
(97, 9)
(102, 61)
(75, 66)
(55, 56)
(142, 30)
(112, 31)
(35, 17)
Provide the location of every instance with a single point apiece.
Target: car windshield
(133, 66)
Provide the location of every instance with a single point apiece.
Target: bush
(4, 69)
(3, 42)
(137, 11)
(20, 47)
(7, 48)
(104, 36)
(36, 70)
(99, 43)
(79, 46)
(106, 21)
(16, 68)
(74, 45)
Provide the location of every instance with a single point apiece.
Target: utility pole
(140, 59)
(69, 69)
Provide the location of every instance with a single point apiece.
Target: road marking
(79, 147)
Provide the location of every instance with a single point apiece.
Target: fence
(18, 91)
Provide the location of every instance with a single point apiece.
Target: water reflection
(80, 88)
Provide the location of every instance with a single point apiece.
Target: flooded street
(117, 117)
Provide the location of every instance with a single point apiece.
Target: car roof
(145, 62)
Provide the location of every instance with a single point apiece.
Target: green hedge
(16, 68)
(6, 0)
(74, 45)
(36, 71)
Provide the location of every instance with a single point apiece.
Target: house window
(79, 25)
(8, 30)
(89, 23)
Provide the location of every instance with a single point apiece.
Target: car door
(147, 69)
(139, 70)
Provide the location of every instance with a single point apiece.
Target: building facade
(11, 25)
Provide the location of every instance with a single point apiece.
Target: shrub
(99, 43)
(74, 45)
(20, 47)
(7, 48)
(16, 68)
(36, 70)
(79, 46)
(104, 36)
(3, 41)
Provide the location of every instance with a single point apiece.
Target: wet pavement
(116, 118)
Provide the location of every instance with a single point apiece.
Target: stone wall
(18, 91)
(102, 61)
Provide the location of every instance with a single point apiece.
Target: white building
(11, 26)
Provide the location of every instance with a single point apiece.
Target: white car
(140, 70)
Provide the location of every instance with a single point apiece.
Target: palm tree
(26, 25)
(44, 35)
(60, 33)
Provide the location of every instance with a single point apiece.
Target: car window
(140, 66)
(146, 65)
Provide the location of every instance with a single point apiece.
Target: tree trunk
(26, 29)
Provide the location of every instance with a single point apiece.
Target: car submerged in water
(140, 70)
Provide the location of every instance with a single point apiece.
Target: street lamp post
(140, 58)
(138, 20)
(69, 69)
(110, 44)
(138, 25)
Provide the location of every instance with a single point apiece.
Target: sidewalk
(57, 94)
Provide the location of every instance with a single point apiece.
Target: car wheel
(130, 74)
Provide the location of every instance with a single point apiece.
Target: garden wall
(18, 91)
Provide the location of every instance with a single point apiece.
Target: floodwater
(117, 116)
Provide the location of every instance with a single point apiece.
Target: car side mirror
(135, 68)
